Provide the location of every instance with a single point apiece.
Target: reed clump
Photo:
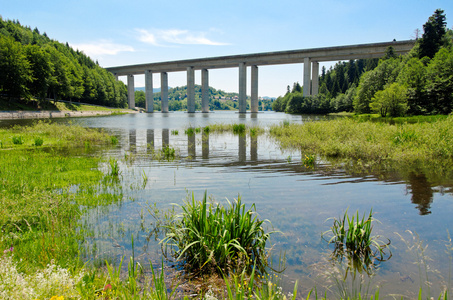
(207, 238)
(353, 241)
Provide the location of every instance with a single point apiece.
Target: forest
(418, 83)
(219, 100)
(35, 69)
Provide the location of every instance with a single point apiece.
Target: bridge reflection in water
(140, 142)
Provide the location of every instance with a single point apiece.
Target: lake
(298, 201)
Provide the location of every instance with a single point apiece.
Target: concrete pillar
(242, 147)
(315, 79)
(253, 148)
(133, 140)
(164, 91)
(254, 92)
(205, 145)
(130, 91)
(116, 77)
(307, 77)
(165, 138)
(191, 146)
(150, 138)
(190, 90)
(205, 90)
(149, 94)
(242, 88)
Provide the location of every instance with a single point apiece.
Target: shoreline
(50, 114)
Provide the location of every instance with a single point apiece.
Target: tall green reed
(206, 239)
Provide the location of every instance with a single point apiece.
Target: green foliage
(213, 238)
(168, 153)
(14, 69)
(392, 101)
(18, 140)
(374, 142)
(434, 31)
(239, 128)
(38, 141)
(32, 65)
(373, 81)
(352, 239)
(114, 168)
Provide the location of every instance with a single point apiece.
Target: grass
(401, 145)
(207, 238)
(236, 129)
(38, 208)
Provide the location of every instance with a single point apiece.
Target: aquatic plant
(168, 153)
(352, 239)
(309, 161)
(206, 238)
(114, 168)
(189, 131)
(206, 129)
(174, 132)
(239, 128)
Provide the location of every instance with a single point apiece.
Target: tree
(15, 72)
(41, 70)
(440, 81)
(375, 80)
(433, 34)
(414, 75)
(391, 101)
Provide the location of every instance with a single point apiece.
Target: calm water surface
(298, 201)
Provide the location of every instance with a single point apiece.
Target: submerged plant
(353, 241)
(207, 238)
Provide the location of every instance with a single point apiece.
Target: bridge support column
(315, 79)
(164, 91)
(130, 91)
(307, 77)
(205, 90)
(149, 95)
(190, 90)
(242, 88)
(254, 92)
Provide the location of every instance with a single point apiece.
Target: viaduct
(309, 57)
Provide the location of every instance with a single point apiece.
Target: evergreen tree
(433, 34)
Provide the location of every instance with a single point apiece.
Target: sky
(119, 32)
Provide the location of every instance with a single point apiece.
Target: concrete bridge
(309, 57)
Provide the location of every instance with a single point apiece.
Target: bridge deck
(360, 51)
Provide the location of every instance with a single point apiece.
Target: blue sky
(136, 31)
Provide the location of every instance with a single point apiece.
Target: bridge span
(310, 58)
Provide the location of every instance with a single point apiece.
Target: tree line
(35, 67)
(420, 82)
(218, 100)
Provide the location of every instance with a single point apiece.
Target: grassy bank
(422, 144)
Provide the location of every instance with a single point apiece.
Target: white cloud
(161, 37)
(102, 47)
